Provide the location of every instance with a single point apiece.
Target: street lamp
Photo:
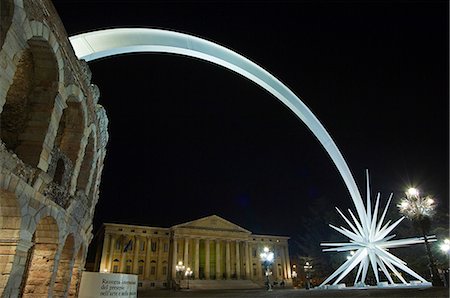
(308, 269)
(188, 274)
(419, 210)
(267, 258)
(179, 268)
(445, 247)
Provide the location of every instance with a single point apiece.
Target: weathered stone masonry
(53, 135)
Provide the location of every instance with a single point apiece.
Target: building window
(166, 247)
(153, 270)
(129, 246)
(152, 284)
(141, 269)
(115, 268)
(164, 270)
(118, 245)
(128, 269)
(254, 253)
(153, 245)
(155, 232)
(142, 245)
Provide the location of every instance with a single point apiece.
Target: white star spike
(370, 242)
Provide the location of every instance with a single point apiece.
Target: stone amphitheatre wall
(53, 135)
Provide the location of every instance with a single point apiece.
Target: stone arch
(37, 277)
(6, 16)
(76, 273)
(63, 274)
(87, 164)
(70, 130)
(10, 221)
(30, 100)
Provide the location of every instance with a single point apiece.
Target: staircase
(200, 284)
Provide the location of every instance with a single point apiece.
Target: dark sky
(190, 139)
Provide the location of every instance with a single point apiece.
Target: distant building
(212, 247)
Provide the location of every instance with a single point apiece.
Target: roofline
(132, 226)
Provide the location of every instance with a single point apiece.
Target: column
(111, 253)
(248, 263)
(186, 253)
(288, 262)
(218, 276)
(135, 256)
(259, 269)
(123, 262)
(159, 258)
(148, 250)
(227, 260)
(174, 258)
(283, 263)
(105, 253)
(238, 261)
(206, 258)
(197, 258)
(276, 252)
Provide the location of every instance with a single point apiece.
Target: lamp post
(188, 274)
(179, 269)
(308, 269)
(267, 259)
(419, 210)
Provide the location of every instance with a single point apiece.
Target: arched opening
(59, 171)
(87, 164)
(9, 234)
(41, 256)
(76, 274)
(29, 102)
(70, 131)
(6, 15)
(63, 273)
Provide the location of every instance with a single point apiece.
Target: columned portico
(212, 247)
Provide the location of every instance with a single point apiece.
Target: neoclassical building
(53, 135)
(214, 249)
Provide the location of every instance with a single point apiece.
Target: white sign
(96, 284)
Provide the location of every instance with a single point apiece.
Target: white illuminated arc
(110, 42)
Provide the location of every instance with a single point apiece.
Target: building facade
(212, 247)
(53, 135)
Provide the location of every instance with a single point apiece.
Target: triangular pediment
(212, 222)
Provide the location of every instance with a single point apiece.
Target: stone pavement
(431, 292)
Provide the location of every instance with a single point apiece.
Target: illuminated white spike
(369, 236)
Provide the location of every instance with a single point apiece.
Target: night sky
(190, 139)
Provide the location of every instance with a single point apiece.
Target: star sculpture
(370, 243)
